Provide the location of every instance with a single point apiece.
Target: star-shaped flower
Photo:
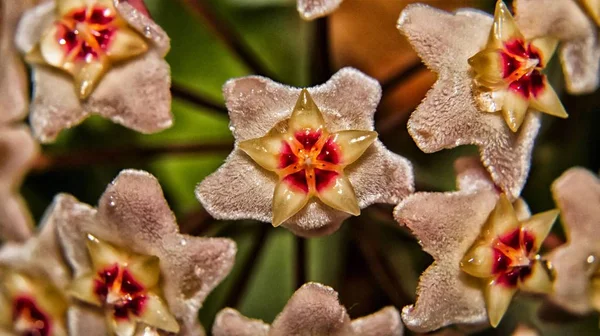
(313, 9)
(484, 249)
(133, 266)
(577, 284)
(17, 152)
(13, 76)
(576, 27)
(313, 310)
(33, 279)
(450, 115)
(292, 144)
(99, 56)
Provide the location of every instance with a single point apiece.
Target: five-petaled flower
(313, 310)
(478, 241)
(324, 147)
(508, 75)
(449, 115)
(313, 9)
(33, 278)
(131, 263)
(17, 152)
(577, 283)
(96, 56)
(577, 31)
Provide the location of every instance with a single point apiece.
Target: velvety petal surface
(312, 9)
(449, 117)
(241, 189)
(229, 322)
(567, 21)
(134, 206)
(577, 195)
(17, 152)
(446, 225)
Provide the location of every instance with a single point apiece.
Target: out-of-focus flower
(284, 155)
(13, 77)
(508, 72)
(449, 116)
(476, 229)
(17, 151)
(134, 268)
(312, 9)
(578, 32)
(34, 277)
(313, 310)
(577, 284)
(100, 56)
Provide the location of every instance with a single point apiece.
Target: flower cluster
(305, 159)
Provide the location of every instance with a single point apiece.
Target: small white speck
(183, 242)
(148, 31)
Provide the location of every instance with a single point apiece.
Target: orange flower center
(116, 287)
(29, 319)
(522, 68)
(513, 257)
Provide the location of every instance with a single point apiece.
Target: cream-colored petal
(157, 314)
(539, 225)
(16, 283)
(65, 6)
(504, 27)
(121, 327)
(546, 46)
(264, 151)
(497, 300)
(306, 114)
(489, 67)
(547, 101)
(145, 270)
(125, 44)
(287, 201)
(479, 261)
(312, 9)
(102, 254)
(353, 144)
(50, 48)
(514, 109)
(503, 218)
(82, 288)
(340, 195)
(593, 8)
(539, 281)
(88, 77)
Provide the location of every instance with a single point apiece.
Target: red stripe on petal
(512, 239)
(330, 152)
(308, 138)
(286, 156)
(501, 262)
(297, 180)
(324, 179)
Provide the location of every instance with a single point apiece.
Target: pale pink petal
(86, 321)
(229, 322)
(385, 322)
(141, 22)
(312, 9)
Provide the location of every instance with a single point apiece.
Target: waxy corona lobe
(508, 75)
(309, 161)
(85, 40)
(505, 256)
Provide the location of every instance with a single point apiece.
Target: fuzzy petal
(581, 63)
(577, 195)
(17, 152)
(229, 322)
(135, 94)
(313, 307)
(144, 25)
(448, 116)
(86, 321)
(446, 225)
(385, 322)
(312, 9)
(33, 25)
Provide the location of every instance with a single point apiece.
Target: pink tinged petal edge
(313, 307)
(313, 9)
(448, 116)
(144, 25)
(565, 20)
(447, 224)
(257, 104)
(577, 195)
(134, 206)
(18, 150)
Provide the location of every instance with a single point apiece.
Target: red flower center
(28, 319)
(309, 161)
(117, 288)
(522, 68)
(513, 257)
(86, 33)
